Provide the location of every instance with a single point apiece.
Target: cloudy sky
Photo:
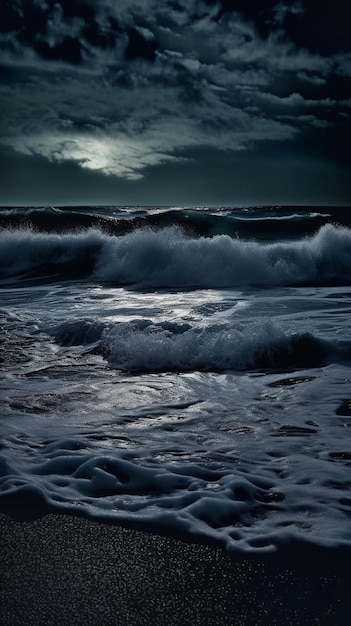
(175, 102)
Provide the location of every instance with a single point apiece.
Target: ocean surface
(184, 369)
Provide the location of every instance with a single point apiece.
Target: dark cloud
(321, 27)
(141, 45)
(122, 91)
(67, 50)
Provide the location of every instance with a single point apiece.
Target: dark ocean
(184, 369)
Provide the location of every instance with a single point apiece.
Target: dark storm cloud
(119, 88)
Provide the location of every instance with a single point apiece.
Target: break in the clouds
(121, 89)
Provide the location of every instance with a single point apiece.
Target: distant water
(184, 368)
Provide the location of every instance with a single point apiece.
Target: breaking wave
(168, 258)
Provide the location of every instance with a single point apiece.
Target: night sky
(175, 102)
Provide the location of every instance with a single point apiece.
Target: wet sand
(63, 570)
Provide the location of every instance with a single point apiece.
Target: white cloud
(58, 27)
(342, 64)
(42, 4)
(312, 79)
(282, 9)
(295, 101)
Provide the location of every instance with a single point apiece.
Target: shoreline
(62, 569)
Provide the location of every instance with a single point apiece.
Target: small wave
(260, 223)
(60, 220)
(77, 332)
(143, 346)
(29, 211)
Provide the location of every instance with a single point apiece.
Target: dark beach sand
(63, 570)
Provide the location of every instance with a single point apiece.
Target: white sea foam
(278, 218)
